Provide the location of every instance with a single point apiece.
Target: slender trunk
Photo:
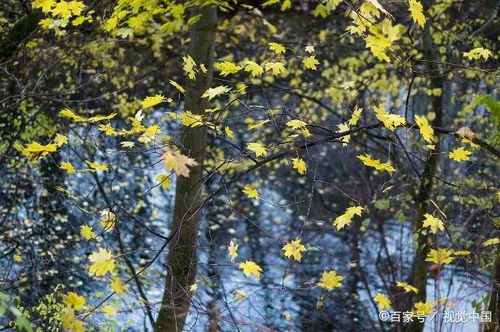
(181, 267)
(494, 305)
(423, 195)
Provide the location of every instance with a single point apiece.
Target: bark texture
(181, 266)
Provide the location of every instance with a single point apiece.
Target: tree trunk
(423, 195)
(181, 267)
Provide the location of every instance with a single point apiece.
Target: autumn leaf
(73, 300)
(232, 250)
(346, 218)
(440, 256)
(68, 167)
(211, 93)
(296, 124)
(294, 249)
(277, 48)
(251, 192)
(310, 62)
(189, 66)
(460, 154)
(87, 233)
(407, 287)
(491, 242)
(249, 268)
(416, 11)
(330, 280)
(276, 67)
(177, 86)
(103, 262)
(190, 119)
(253, 68)
(227, 67)
(300, 165)
(152, 101)
(97, 166)
(425, 128)
(382, 301)
(108, 220)
(423, 308)
(109, 310)
(257, 148)
(390, 121)
(376, 163)
(477, 53)
(118, 286)
(433, 223)
(176, 161)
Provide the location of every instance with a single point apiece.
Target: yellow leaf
(309, 49)
(257, 148)
(189, 67)
(294, 249)
(108, 220)
(253, 68)
(250, 267)
(251, 192)
(425, 128)
(164, 180)
(232, 250)
(73, 300)
(416, 11)
(299, 165)
(87, 233)
(477, 53)
(240, 295)
(382, 301)
(176, 161)
(152, 101)
(69, 321)
(227, 67)
(346, 218)
(118, 286)
(229, 132)
(102, 261)
(407, 287)
(296, 124)
(423, 308)
(310, 62)
(490, 242)
(193, 287)
(276, 67)
(60, 140)
(440, 256)
(376, 163)
(97, 166)
(191, 120)
(390, 121)
(109, 310)
(460, 154)
(177, 86)
(356, 115)
(214, 92)
(330, 280)
(277, 48)
(68, 167)
(433, 223)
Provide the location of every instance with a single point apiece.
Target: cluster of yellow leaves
(330, 280)
(300, 165)
(440, 256)
(249, 268)
(34, 150)
(433, 223)
(381, 37)
(177, 162)
(69, 321)
(346, 218)
(460, 154)
(299, 124)
(73, 300)
(382, 301)
(376, 163)
(416, 11)
(390, 121)
(102, 262)
(425, 128)
(294, 249)
(257, 148)
(477, 53)
(190, 119)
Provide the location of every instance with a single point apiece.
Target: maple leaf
(189, 66)
(299, 165)
(69, 321)
(73, 300)
(103, 262)
(330, 280)
(460, 154)
(152, 101)
(253, 68)
(66, 9)
(277, 48)
(229, 132)
(232, 250)
(382, 301)
(60, 140)
(250, 267)
(118, 286)
(68, 167)
(355, 117)
(294, 249)
(227, 67)
(477, 53)
(45, 5)
(296, 124)
(376, 163)
(407, 287)
(191, 120)
(440, 256)
(381, 38)
(214, 92)
(251, 192)
(164, 180)
(257, 148)
(176, 161)
(193, 287)
(309, 49)
(87, 233)
(34, 150)
(390, 121)
(240, 295)
(310, 62)
(108, 220)
(423, 308)
(416, 11)
(346, 218)
(177, 86)
(276, 67)
(425, 128)
(434, 223)
(97, 166)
